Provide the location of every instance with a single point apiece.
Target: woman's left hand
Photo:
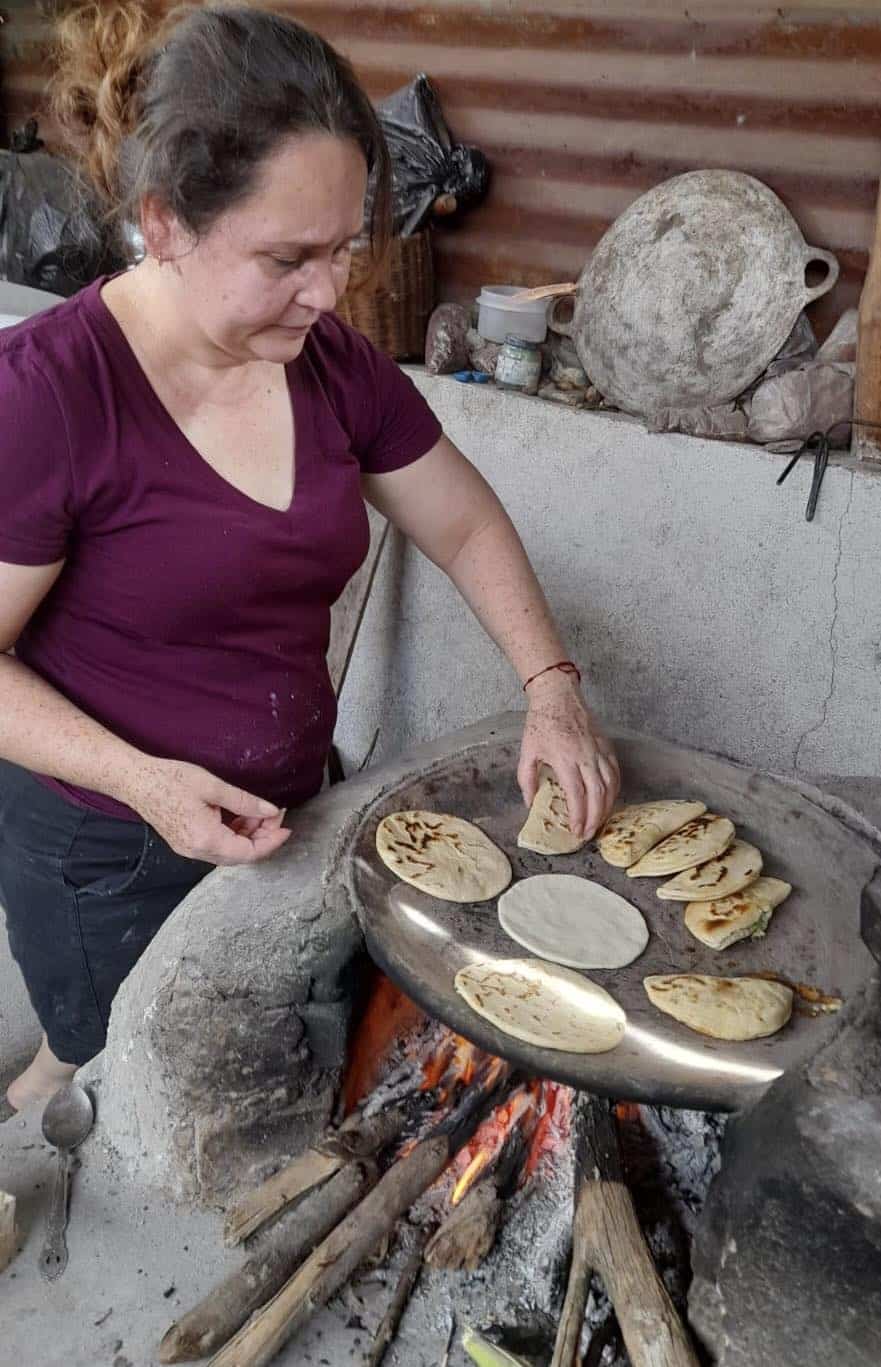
(561, 733)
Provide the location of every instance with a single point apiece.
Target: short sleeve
(36, 503)
(389, 422)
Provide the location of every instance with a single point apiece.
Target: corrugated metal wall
(582, 106)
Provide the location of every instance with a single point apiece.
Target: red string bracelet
(566, 666)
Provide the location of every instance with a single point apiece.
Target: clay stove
(230, 1046)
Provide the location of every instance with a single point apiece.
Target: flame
(470, 1176)
(389, 1018)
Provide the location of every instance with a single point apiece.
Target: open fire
(395, 1037)
(473, 1186)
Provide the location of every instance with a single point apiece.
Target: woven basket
(392, 310)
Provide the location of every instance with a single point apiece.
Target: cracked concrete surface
(833, 625)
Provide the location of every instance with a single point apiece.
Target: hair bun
(101, 50)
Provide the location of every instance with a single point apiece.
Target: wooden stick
(544, 292)
(867, 396)
(611, 1239)
(311, 1169)
(355, 1138)
(215, 1319)
(568, 1341)
(392, 1317)
(8, 1232)
(336, 1259)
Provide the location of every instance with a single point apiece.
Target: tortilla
(443, 855)
(739, 866)
(726, 920)
(543, 1004)
(546, 830)
(633, 830)
(724, 1008)
(698, 840)
(573, 921)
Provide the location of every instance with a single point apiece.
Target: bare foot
(40, 1080)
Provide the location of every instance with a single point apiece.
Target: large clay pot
(691, 293)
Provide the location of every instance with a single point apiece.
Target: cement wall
(702, 606)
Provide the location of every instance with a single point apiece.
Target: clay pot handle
(561, 326)
(818, 254)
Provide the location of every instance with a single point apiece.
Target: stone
(787, 1254)
(445, 346)
(482, 355)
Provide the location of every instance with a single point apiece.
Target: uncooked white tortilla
(543, 1004)
(633, 830)
(546, 829)
(443, 855)
(734, 870)
(697, 841)
(724, 1008)
(573, 921)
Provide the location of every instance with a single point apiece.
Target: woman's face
(268, 268)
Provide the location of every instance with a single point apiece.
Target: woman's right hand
(200, 816)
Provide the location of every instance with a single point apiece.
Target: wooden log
(468, 1233)
(307, 1171)
(404, 1289)
(867, 396)
(610, 1239)
(355, 1138)
(8, 1232)
(568, 1341)
(338, 1257)
(215, 1319)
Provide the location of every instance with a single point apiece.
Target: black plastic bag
(426, 162)
(51, 233)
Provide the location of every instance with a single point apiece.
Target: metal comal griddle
(421, 942)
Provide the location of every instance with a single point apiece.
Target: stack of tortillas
(711, 867)
(543, 1004)
(719, 879)
(443, 855)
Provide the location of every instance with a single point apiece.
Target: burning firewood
(467, 1235)
(337, 1258)
(215, 1319)
(356, 1138)
(392, 1317)
(607, 1236)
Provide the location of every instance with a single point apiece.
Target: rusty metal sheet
(583, 106)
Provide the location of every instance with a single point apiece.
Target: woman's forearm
(44, 732)
(493, 574)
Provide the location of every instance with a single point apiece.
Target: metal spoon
(67, 1120)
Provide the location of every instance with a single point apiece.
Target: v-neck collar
(301, 410)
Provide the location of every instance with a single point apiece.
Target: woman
(184, 456)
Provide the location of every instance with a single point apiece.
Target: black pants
(84, 895)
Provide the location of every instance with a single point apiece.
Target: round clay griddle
(422, 942)
(692, 292)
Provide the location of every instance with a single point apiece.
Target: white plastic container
(499, 316)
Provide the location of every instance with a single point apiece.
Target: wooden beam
(867, 397)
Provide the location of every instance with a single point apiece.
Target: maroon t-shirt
(190, 619)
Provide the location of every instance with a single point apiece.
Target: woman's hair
(188, 107)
